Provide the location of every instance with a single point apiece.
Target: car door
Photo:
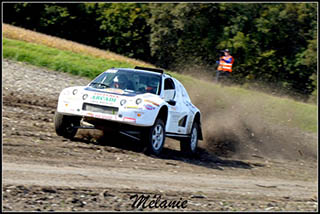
(184, 111)
(189, 109)
(172, 95)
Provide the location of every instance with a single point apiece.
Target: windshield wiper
(100, 84)
(128, 90)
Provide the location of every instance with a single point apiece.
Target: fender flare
(197, 118)
(163, 114)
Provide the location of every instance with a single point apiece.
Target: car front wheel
(65, 125)
(155, 137)
(189, 145)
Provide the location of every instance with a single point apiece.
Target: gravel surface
(93, 172)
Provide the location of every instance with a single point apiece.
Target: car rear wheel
(155, 137)
(189, 145)
(65, 125)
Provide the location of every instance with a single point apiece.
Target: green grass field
(273, 109)
(59, 60)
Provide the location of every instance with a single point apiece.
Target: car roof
(140, 70)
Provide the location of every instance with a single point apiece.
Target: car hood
(111, 91)
(110, 96)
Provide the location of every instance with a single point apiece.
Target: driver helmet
(152, 85)
(120, 81)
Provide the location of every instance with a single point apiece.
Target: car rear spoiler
(150, 69)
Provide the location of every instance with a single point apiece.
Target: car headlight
(66, 92)
(122, 102)
(75, 91)
(85, 96)
(138, 101)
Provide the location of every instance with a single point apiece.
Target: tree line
(271, 42)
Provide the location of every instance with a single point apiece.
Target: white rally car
(142, 103)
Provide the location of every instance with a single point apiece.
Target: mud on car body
(142, 103)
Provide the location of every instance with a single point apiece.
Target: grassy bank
(273, 109)
(59, 60)
(21, 34)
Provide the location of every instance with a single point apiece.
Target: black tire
(189, 145)
(64, 125)
(154, 138)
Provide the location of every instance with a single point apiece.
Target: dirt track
(42, 171)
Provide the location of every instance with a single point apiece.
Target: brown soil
(43, 172)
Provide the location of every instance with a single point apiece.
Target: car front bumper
(132, 115)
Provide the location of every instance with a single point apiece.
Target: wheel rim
(70, 128)
(157, 137)
(194, 138)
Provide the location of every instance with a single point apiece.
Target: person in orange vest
(225, 65)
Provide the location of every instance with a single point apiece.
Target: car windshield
(129, 81)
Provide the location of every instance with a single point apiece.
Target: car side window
(168, 84)
(169, 90)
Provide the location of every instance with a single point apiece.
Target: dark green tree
(123, 28)
(184, 32)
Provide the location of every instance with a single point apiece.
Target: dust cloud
(237, 129)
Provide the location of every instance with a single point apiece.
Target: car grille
(99, 108)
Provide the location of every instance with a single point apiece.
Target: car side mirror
(172, 102)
